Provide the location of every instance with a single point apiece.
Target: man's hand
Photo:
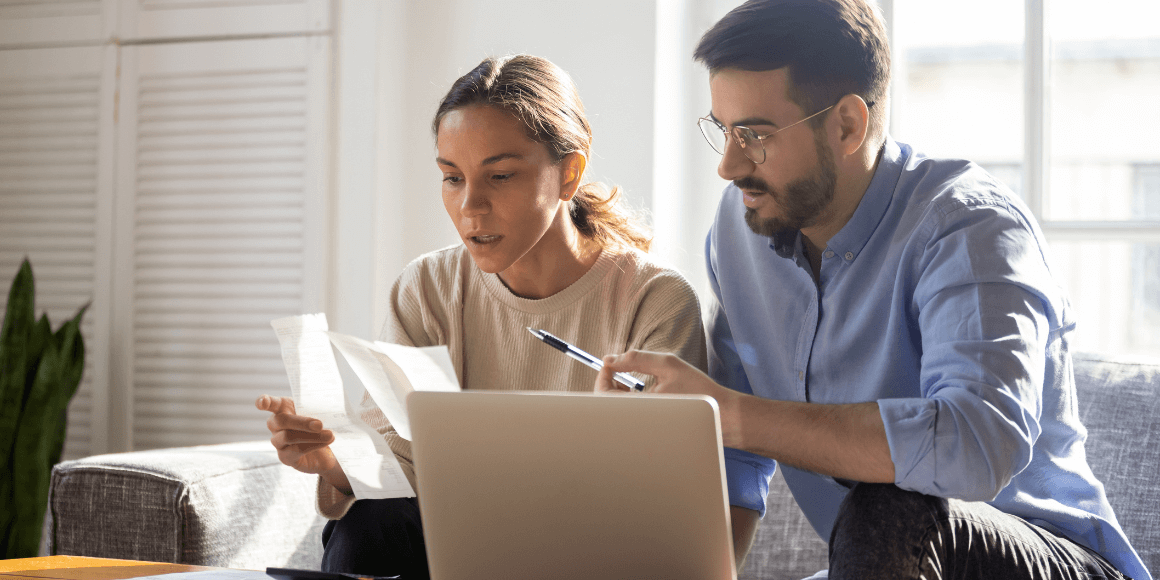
(301, 442)
(846, 441)
(674, 375)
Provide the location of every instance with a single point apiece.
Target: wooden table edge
(86, 568)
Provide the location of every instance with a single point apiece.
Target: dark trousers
(377, 537)
(885, 532)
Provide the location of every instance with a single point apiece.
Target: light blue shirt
(935, 300)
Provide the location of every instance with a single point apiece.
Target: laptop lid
(522, 485)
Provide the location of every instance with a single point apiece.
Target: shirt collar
(850, 240)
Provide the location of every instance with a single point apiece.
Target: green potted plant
(39, 374)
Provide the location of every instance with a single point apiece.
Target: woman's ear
(571, 174)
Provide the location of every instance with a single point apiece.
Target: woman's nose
(475, 200)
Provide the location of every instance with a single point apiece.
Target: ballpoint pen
(622, 378)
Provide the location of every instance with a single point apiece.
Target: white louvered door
(53, 169)
(166, 159)
(221, 187)
(41, 22)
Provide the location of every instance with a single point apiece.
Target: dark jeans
(377, 537)
(885, 532)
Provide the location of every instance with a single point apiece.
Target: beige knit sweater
(625, 301)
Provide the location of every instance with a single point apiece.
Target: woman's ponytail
(597, 213)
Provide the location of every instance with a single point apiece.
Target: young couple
(885, 326)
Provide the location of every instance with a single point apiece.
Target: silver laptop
(523, 485)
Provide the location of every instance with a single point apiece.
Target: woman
(539, 249)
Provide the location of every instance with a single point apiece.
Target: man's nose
(734, 164)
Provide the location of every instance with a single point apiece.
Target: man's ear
(853, 122)
(572, 172)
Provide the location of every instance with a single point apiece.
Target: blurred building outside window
(1078, 122)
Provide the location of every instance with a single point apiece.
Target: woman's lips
(485, 239)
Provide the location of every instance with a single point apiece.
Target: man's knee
(881, 527)
(871, 507)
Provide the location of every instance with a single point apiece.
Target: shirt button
(828, 254)
(849, 256)
(801, 374)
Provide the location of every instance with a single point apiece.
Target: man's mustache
(752, 184)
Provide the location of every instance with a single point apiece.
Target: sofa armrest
(233, 505)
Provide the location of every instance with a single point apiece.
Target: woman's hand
(301, 442)
(674, 375)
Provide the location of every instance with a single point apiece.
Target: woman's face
(501, 189)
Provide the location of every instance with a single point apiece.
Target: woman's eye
(502, 176)
(451, 179)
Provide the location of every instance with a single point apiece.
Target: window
(1146, 260)
(1052, 98)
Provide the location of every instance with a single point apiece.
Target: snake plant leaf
(39, 375)
(72, 345)
(40, 435)
(15, 352)
(38, 339)
(30, 467)
(19, 319)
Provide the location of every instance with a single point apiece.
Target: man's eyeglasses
(751, 143)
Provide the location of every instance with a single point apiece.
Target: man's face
(795, 184)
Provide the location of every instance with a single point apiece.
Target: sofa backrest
(1119, 403)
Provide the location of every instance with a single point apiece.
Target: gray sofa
(236, 506)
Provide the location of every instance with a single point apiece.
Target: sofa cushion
(232, 505)
(1119, 403)
(786, 546)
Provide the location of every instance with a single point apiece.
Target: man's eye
(502, 176)
(750, 134)
(452, 179)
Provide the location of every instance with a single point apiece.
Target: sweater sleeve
(668, 319)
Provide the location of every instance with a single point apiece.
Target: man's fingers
(605, 382)
(639, 361)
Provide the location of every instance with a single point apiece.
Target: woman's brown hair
(542, 96)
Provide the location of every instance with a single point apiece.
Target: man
(886, 327)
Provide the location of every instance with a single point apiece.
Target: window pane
(1105, 73)
(958, 81)
(1114, 288)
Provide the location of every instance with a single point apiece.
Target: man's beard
(802, 201)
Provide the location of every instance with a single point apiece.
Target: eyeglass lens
(717, 137)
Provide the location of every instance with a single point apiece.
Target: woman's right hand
(301, 442)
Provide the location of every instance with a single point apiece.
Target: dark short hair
(831, 48)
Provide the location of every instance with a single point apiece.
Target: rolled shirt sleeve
(748, 478)
(985, 327)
